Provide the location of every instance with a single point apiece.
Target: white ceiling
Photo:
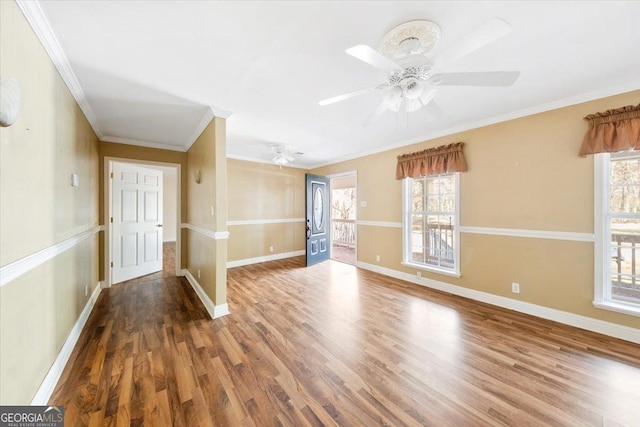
(153, 73)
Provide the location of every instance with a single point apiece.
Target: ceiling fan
(413, 75)
(283, 154)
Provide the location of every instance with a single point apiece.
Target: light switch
(75, 180)
(363, 204)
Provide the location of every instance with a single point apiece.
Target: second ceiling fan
(414, 76)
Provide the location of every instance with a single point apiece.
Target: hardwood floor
(335, 345)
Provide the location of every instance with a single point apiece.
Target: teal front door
(317, 219)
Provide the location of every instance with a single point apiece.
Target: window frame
(602, 230)
(407, 260)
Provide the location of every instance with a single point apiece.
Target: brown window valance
(433, 161)
(612, 131)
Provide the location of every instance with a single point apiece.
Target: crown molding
(208, 115)
(140, 143)
(221, 113)
(561, 103)
(40, 25)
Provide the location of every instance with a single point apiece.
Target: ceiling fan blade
(486, 33)
(480, 78)
(373, 57)
(381, 108)
(348, 95)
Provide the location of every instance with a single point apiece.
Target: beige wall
(50, 140)
(207, 209)
(523, 174)
(259, 191)
(169, 208)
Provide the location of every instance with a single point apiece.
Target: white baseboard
(53, 376)
(600, 326)
(248, 261)
(221, 310)
(214, 311)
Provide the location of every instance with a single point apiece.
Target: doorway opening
(343, 217)
(142, 226)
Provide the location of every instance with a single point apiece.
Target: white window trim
(406, 250)
(602, 250)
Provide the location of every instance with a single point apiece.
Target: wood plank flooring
(335, 345)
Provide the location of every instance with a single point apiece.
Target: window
(431, 223)
(617, 216)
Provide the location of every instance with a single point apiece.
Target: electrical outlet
(86, 290)
(419, 274)
(198, 273)
(515, 288)
(270, 248)
(378, 258)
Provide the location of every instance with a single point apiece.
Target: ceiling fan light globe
(413, 105)
(427, 95)
(393, 98)
(392, 105)
(280, 160)
(413, 89)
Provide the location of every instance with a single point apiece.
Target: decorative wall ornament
(9, 101)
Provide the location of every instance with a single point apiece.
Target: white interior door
(136, 221)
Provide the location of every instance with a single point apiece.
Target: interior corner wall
(169, 220)
(266, 210)
(207, 211)
(523, 174)
(39, 209)
(133, 152)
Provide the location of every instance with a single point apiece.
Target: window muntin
(431, 223)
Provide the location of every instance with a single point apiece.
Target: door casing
(353, 173)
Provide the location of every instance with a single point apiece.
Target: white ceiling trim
(41, 27)
(566, 102)
(268, 162)
(36, 18)
(204, 122)
(159, 145)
